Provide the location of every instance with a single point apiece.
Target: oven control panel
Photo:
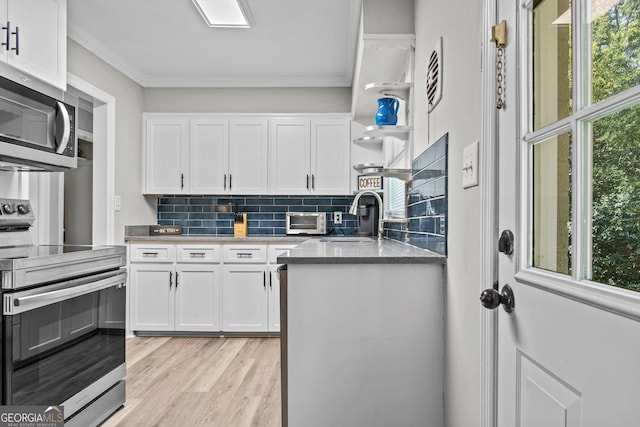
(16, 212)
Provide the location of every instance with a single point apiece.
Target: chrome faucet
(354, 207)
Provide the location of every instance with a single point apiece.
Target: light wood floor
(224, 382)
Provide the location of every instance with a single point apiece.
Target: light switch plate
(470, 165)
(117, 203)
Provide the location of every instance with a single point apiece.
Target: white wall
(9, 184)
(247, 100)
(136, 209)
(388, 17)
(459, 113)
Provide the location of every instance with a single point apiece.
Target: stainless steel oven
(63, 322)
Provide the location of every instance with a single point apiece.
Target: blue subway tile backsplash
(265, 214)
(427, 201)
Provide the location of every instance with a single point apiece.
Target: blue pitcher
(387, 111)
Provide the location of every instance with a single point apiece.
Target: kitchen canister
(387, 111)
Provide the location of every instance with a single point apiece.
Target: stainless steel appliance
(63, 322)
(37, 132)
(367, 215)
(306, 223)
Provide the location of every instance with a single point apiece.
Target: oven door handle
(21, 302)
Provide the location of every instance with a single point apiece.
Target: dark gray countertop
(189, 238)
(353, 250)
(312, 250)
(141, 233)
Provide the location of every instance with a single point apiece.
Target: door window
(552, 203)
(583, 134)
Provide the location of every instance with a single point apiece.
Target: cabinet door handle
(182, 181)
(17, 44)
(264, 279)
(150, 254)
(230, 176)
(270, 279)
(196, 255)
(170, 279)
(245, 255)
(307, 181)
(176, 280)
(7, 42)
(313, 182)
(225, 182)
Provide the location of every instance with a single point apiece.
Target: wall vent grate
(434, 76)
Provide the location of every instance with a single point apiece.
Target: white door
(197, 300)
(330, 156)
(208, 156)
(244, 298)
(41, 39)
(248, 156)
(289, 156)
(152, 297)
(568, 146)
(166, 156)
(274, 299)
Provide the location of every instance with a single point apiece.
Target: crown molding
(248, 82)
(97, 48)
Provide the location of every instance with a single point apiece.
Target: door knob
(491, 298)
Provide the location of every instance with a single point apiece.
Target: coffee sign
(366, 182)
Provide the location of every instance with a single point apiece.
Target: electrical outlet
(337, 217)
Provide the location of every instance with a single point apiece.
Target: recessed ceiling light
(224, 13)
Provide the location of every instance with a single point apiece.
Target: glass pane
(615, 46)
(615, 181)
(551, 61)
(552, 204)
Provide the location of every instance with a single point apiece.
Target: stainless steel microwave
(37, 132)
(306, 223)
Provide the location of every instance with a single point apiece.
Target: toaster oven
(306, 223)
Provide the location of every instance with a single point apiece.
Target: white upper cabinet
(205, 155)
(330, 156)
(37, 40)
(290, 156)
(248, 160)
(309, 156)
(209, 156)
(166, 156)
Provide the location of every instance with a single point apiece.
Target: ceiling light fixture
(224, 13)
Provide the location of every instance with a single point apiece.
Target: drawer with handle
(245, 254)
(152, 253)
(198, 253)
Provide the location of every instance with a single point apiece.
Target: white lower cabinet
(167, 295)
(244, 298)
(205, 288)
(273, 251)
(197, 298)
(151, 296)
(274, 299)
